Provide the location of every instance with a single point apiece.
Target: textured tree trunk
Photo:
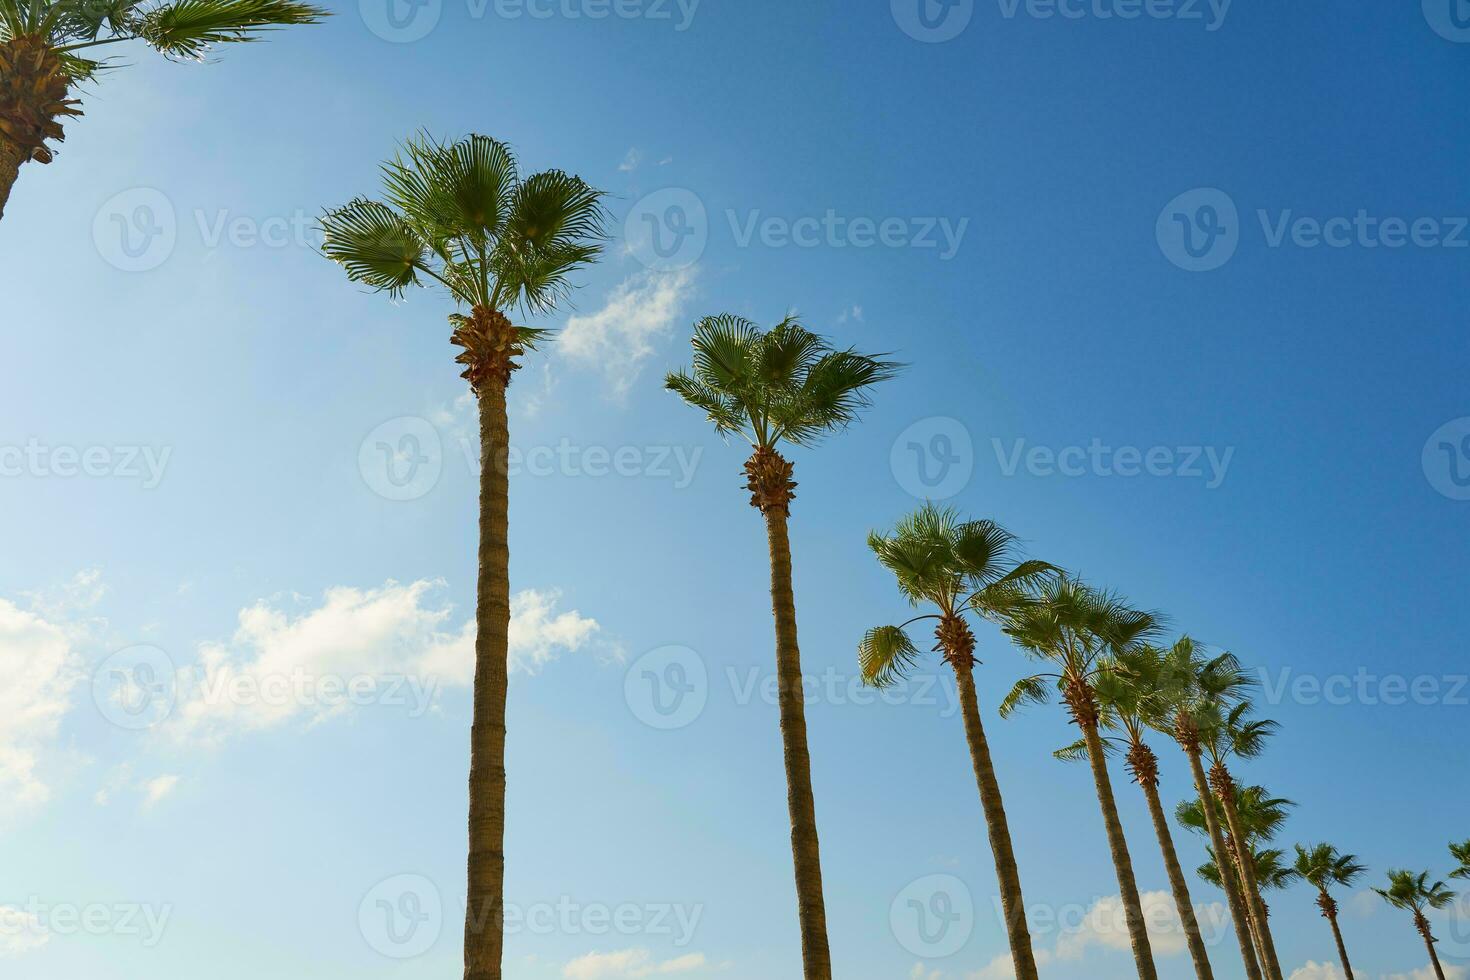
(484, 912)
(10, 160)
(1240, 918)
(1422, 924)
(1329, 912)
(1122, 861)
(805, 851)
(1144, 770)
(1225, 792)
(1013, 906)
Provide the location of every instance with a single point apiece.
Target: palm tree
(1194, 689)
(1132, 693)
(1234, 734)
(1414, 893)
(40, 41)
(1076, 627)
(460, 215)
(1461, 853)
(783, 384)
(1323, 867)
(955, 566)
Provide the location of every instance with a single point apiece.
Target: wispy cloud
(631, 161)
(38, 673)
(620, 337)
(630, 963)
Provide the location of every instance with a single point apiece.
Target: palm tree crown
(1323, 867)
(1461, 853)
(952, 564)
(1414, 893)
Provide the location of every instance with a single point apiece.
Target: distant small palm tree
(1324, 868)
(40, 63)
(782, 385)
(956, 566)
(1076, 628)
(461, 216)
(1413, 893)
(1461, 853)
(1195, 689)
(1133, 692)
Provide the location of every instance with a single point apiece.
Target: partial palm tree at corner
(1413, 893)
(1076, 627)
(42, 60)
(956, 566)
(782, 385)
(1461, 854)
(1324, 868)
(1132, 693)
(461, 216)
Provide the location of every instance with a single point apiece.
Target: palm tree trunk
(1329, 912)
(1013, 906)
(484, 912)
(1238, 914)
(10, 160)
(1118, 845)
(1146, 771)
(805, 851)
(1225, 791)
(1422, 924)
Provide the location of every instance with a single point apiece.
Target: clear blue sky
(1066, 157)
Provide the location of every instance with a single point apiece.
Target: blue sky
(1184, 304)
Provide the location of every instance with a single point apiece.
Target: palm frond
(375, 245)
(1028, 691)
(885, 655)
(189, 28)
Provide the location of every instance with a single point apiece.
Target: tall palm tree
(1272, 871)
(1194, 689)
(1132, 692)
(786, 384)
(955, 566)
(1076, 627)
(1235, 735)
(461, 216)
(1414, 893)
(41, 59)
(1461, 853)
(1323, 867)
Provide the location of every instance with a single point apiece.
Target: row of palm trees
(1118, 686)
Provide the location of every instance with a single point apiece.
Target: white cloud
(393, 645)
(21, 931)
(1451, 972)
(630, 963)
(1106, 926)
(918, 973)
(38, 670)
(851, 313)
(618, 338)
(1004, 968)
(631, 161)
(157, 788)
(1316, 971)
